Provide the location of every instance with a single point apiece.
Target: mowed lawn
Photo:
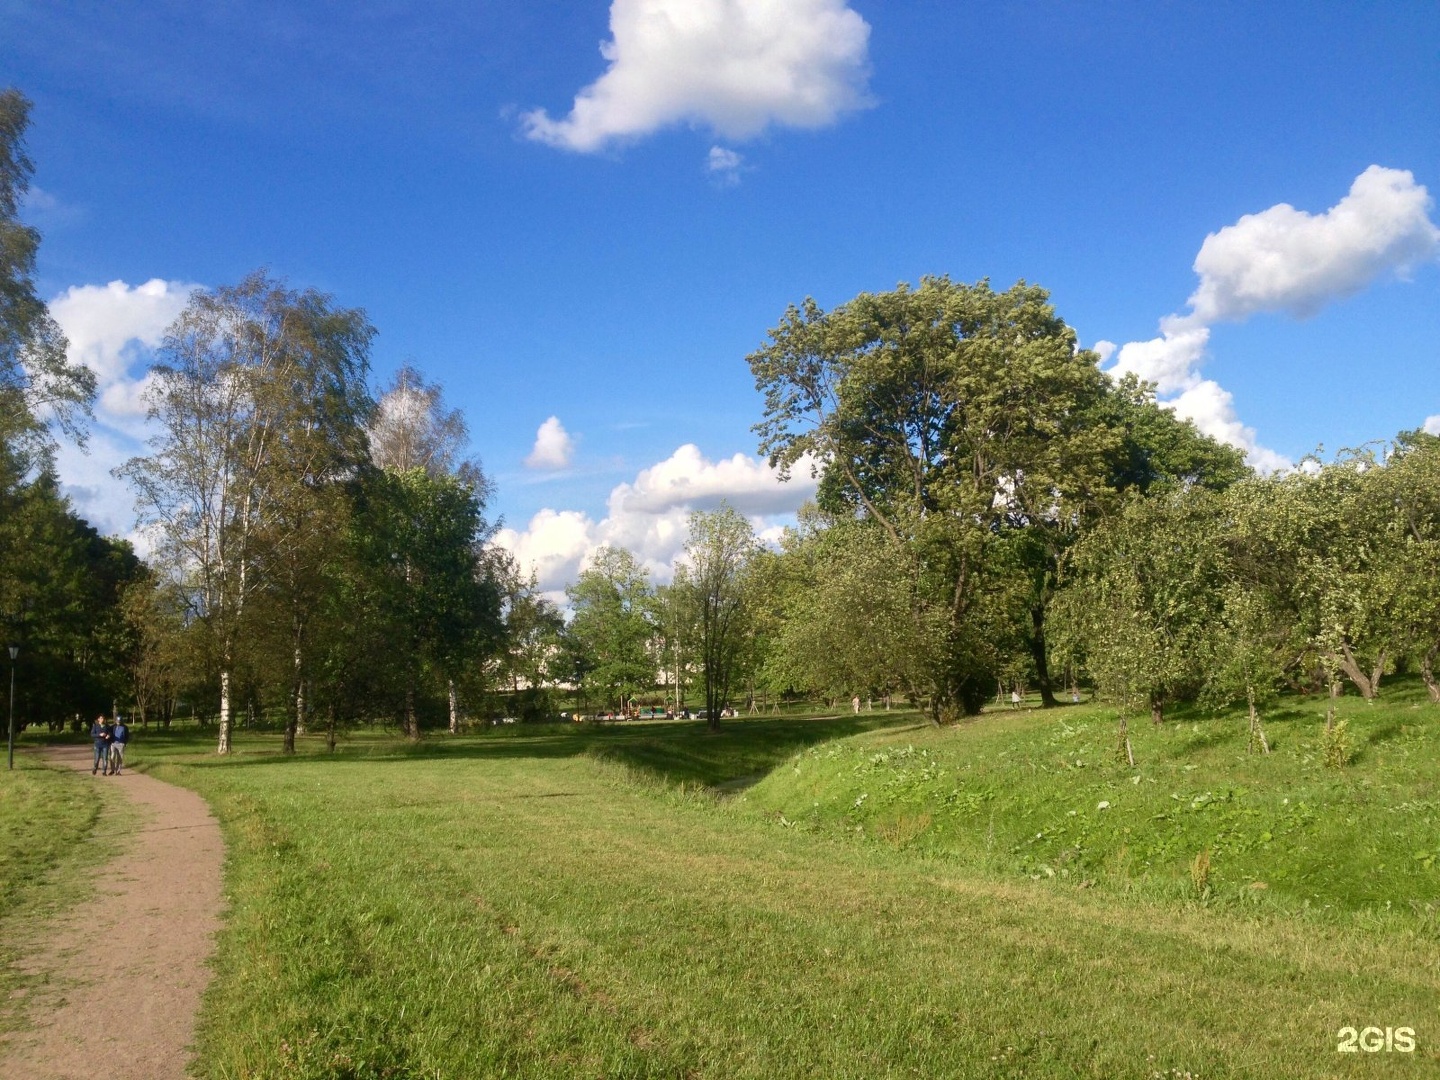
(534, 903)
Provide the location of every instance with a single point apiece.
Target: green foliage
(612, 627)
(1145, 600)
(1336, 746)
(60, 587)
(38, 384)
(422, 589)
(969, 428)
(719, 552)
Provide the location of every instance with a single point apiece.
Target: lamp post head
(14, 652)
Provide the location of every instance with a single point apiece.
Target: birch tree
(240, 371)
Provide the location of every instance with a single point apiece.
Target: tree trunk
(1330, 708)
(412, 722)
(1427, 672)
(1038, 655)
(297, 705)
(1157, 708)
(1123, 742)
(1257, 733)
(454, 709)
(330, 729)
(224, 744)
(1368, 685)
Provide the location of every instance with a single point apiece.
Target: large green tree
(425, 585)
(1413, 480)
(947, 415)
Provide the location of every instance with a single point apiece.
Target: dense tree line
(992, 511)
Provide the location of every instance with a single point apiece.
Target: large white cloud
(1284, 259)
(113, 329)
(649, 515)
(1280, 260)
(735, 66)
(553, 446)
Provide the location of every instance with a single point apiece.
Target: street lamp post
(14, 655)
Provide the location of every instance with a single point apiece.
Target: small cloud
(38, 199)
(734, 66)
(1432, 425)
(724, 165)
(1105, 350)
(47, 210)
(113, 330)
(553, 446)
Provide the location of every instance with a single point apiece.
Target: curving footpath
(124, 971)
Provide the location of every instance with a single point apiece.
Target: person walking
(102, 744)
(118, 740)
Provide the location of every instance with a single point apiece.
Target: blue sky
(594, 267)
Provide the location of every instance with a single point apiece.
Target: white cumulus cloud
(1432, 424)
(113, 329)
(1284, 259)
(735, 66)
(649, 515)
(1280, 260)
(553, 446)
(724, 165)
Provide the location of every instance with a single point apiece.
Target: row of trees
(314, 546)
(1299, 581)
(992, 509)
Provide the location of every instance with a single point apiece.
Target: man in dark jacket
(101, 736)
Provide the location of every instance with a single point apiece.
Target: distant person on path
(1014, 699)
(119, 737)
(855, 704)
(102, 744)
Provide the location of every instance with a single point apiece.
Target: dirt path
(124, 971)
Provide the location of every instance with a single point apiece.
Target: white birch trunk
(224, 747)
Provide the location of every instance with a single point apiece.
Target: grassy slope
(1041, 795)
(519, 905)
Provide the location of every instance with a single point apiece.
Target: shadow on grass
(676, 751)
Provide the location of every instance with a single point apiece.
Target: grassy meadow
(844, 897)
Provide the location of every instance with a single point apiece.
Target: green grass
(1042, 795)
(552, 902)
(51, 840)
